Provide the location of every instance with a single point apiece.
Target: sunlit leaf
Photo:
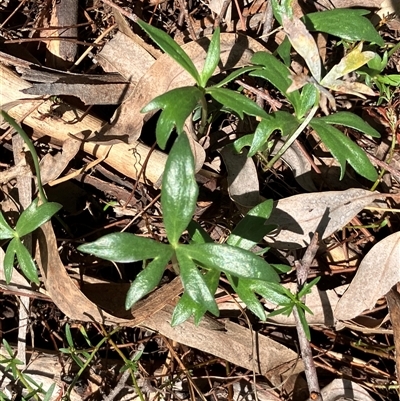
(26, 262)
(251, 229)
(282, 8)
(344, 150)
(308, 98)
(166, 43)
(232, 260)
(179, 189)
(303, 42)
(351, 120)
(177, 105)
(148, 278)
(193, 281)
(34, 216)
(6, 231)
(9, 258)
(212, 58)
(344, 23)
(124, 248)
(236, 102)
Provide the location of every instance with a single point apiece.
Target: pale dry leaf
(243, 185)
(301, 167)
(380, 265)
(342, 389)
(304, 43)
(51, 167)
(300, 216)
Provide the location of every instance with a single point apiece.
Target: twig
(303, 269)
(220, 16)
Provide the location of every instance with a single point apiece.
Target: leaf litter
(295, 217)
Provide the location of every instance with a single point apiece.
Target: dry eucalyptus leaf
(243, 185)
(300, 216)
(51, 167)
(298, 163)
(380, 265)
(165, 74)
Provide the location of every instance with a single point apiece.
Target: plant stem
(31, 148)
(293, 137)
(204, 112)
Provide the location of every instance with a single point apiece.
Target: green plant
(30, 219)
(10, 363)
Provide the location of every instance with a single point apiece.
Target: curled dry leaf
(299, 216)
(243, 185)
(380, 265)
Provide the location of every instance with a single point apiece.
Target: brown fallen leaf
(299, 216)
(243, 185)
(343, 389)
(380, 265)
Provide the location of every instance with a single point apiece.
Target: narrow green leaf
(193, 281)
(34, 216)
(148, 278)
(197, 233)
(303, 322)
(9, 259)
(6, 231)
(169, 46)
(308, 98)
(286, 310)
(344, 23)
(277, 74)
(284, 50)
(307, 287)
(392, 79)
(177, 105)
(236, 102)
(273, 292)
(232, 260)
(183, 310)
(233, 75)
(242, 288)
(251, 229)
(351, 120)
(26, 262)
(49, 392)
(179, 189)
(124, 248)
(279, 120)
(344, 149)
(68, 335)
(212, 58)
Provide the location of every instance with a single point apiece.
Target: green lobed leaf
(232, 260)
(186, 307)
(251, 229)
(392, 79)
(34, 216)
(148, 278)
(277, 74)
(236, 102)
(169, 46)
(6, 231)
(26, 262)
(351, 120)
(243, 141)
(124, 248)
(179, 189)
(193, 281)
(9, 259)
(344, 23)
(246, 294)
(177, 104)
(279, 120)
(344, 149)
(212, 58)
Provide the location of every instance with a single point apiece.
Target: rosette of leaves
(199, 263)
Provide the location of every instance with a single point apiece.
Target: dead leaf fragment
(342, 389)
(299, 216)
(380, 265)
